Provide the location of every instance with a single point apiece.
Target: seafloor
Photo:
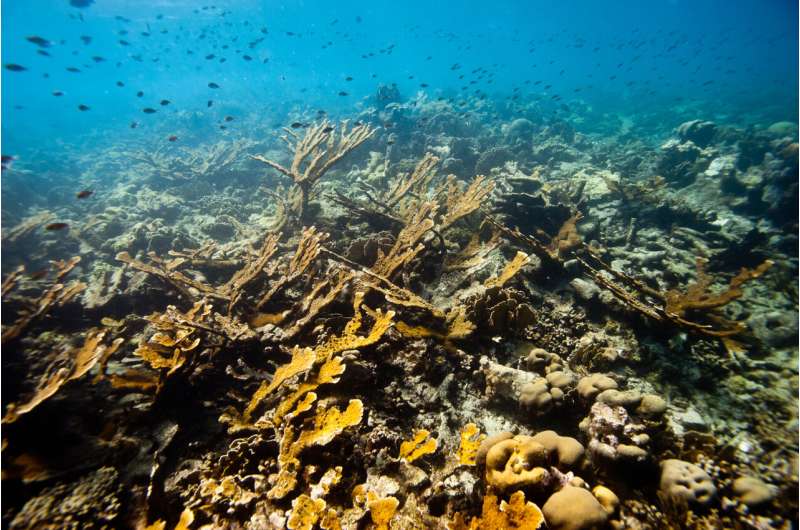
(428, 317)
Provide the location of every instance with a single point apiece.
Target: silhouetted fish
(39, 41)
(210, 102)
(15, 67)
(228, 118)
(73, 70)
(343, 93)
(120, 83)
(164, 102)
(213, 85)
(139, 94)
(86, 39)
(98, 59)
(81, 3)
(83, 108)
(56, 226)
(172, 138)
(84, 194)
(58, 93)
(134, 125)
(148, 110)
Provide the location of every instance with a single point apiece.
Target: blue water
(731, 61)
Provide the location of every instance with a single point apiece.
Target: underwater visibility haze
(397, 265)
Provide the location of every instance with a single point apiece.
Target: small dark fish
(81, 3)
(56, 226)
(58, 93)
(84, 194)
(296, 125)
(348, 78)
(139, 94)
(124, 42)
(222, 127)
(98, 59)
(6, 161)
(228, 118)
(390, 142)
(164, 102)
(83, 108)
(15, 67)
(86, 39)
(213, 85)
(42, 52)
(343, 93)
(328, 129)
(424, 85)
(120, 83)
(247, 58)
(134, 125)
(148, 110)
(172, 138)
(210, 56)
(73, 69)
(39, 41)
(210, 102)
(38, 275)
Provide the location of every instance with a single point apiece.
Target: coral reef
(480, 323)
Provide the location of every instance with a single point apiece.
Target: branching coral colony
(269, 348)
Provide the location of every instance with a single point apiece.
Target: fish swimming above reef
(39, 41)
(53, 227)
(84, 194)
(148, 110)
(164, 102)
